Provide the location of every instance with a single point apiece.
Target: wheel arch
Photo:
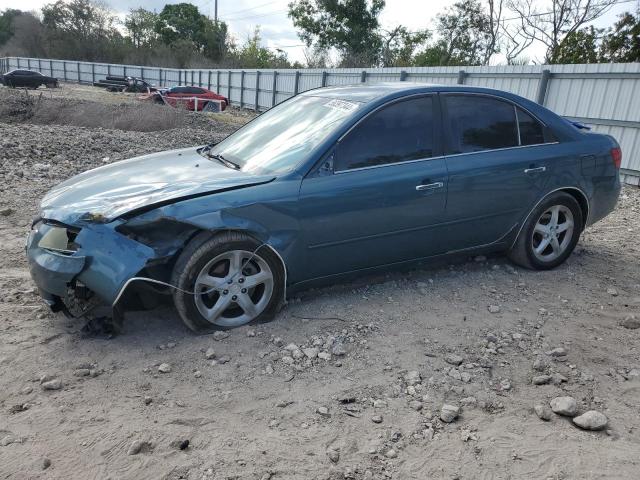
(582, 200)
(577, 193)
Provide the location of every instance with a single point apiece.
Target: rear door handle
(429, 186)
(535, 170)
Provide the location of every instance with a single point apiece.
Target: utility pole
(215, 11)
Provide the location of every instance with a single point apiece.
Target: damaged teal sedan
(331, 184)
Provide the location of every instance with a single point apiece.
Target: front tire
(226, 281)
(549, 234)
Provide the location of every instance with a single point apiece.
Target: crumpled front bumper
(103, 262)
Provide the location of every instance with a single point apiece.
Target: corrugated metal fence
(604, 96)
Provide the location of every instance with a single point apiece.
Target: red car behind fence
(191, 98)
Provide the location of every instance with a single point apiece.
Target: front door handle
(535, 170)
(429, 186)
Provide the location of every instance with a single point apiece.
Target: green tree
(140, 25)
(253, 55)
(464, 37)
(399, 46)
(580, 46)
(435, 55)
(6, 24)
(622, 43)
(182, 21)
(350, 26)
(216, 40)
(83, 19)
(80, 29)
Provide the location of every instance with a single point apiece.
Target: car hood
(105, 193)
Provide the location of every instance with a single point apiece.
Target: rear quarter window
(531, 130)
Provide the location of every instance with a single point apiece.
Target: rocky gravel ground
(472, 369)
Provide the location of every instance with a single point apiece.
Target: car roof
(369, 92)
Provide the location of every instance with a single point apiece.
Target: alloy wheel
(552, 233)
(233, 288)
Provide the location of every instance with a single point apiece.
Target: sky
(277, 30)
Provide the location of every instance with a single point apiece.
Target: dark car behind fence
(603, 96)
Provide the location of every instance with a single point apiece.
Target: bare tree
(495, 31)
(553, 24)
(513, 43)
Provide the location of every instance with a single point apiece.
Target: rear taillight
(616, 156)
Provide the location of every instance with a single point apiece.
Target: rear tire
(549, 234)
(240, 281)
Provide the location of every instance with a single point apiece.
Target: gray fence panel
(605, 96)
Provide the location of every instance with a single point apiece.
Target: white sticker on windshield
(341, 105)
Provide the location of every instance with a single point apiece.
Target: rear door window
(478, 123)
(400, 132)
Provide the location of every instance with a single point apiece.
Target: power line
(542, 14)
(250, 8)
(287, 46)
(618, 2)
(279, 12)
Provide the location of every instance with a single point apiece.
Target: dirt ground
(260, 404)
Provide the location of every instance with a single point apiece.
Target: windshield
(282, 137)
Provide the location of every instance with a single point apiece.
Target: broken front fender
(104, 261)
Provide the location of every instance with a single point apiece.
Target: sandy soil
(259, 408)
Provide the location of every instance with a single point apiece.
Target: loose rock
(333, 454)
(453, 359)
(591, 420)
(339, 350)
(543, 412)
(311, 352)
(210, 354)
(55, 384)
(324, 411)
(220, 335)
(540, 364)
(558, 352)
(566, 406)
(324, 356)
(449, 413)
(412, 377)
(541, 379)
(631, 322)
(139, 446)
(391, 453)
(164, 368)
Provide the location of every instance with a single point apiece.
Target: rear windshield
(282, 137)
